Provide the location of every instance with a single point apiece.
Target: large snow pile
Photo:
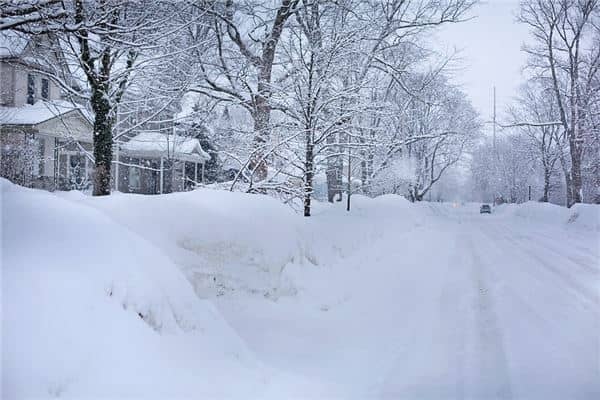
(534, 212)
(393, 299)
(333, 234)
(90, 309)
(218, 238)
(582, 216)
(585, 216)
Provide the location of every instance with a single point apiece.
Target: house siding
(71, 125)
(19, 85)
(7, 84)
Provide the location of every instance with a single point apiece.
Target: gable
(69, 125)
(40, 51)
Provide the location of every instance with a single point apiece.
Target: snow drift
(191, 293)
(91, 309)
(582, 216)
(586, 216)
(218, 238)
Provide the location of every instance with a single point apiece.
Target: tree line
(308, 98)
(551, 141)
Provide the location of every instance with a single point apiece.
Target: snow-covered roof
(156, 144)
(39, 112)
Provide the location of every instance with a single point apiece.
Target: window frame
(138, 176)
(45, 89)
(30, 88)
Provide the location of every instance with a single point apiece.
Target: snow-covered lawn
(211, 294)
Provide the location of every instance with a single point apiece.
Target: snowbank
(581, 216)
(222, 240)
(102, 296)
(230, 241)
(90, 309)
(332, 234)
(534, 211)
(586, 216)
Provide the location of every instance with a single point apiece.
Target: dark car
(485, 209)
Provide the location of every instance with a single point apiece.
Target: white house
(47, 141)
(165, 163)
(44, 140)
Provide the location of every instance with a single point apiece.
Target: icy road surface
(455, 305)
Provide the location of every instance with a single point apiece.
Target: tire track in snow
(431, 362)
(549, 324)
(583, 292)
(453, 313)
(587, 264)
(490, 367)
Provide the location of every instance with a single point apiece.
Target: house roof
(39, 112)
(156, 144)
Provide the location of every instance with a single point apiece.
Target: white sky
(490, 53)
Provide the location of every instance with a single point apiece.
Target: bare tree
(431, 133)
(566, 53)
(535, 107)
(106, 48)
(31, 14)
(246, 36)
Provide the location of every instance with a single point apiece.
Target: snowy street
(462, 306)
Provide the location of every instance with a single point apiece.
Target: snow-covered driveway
(451, 305)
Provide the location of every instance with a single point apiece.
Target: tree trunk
(364, 173)
(334, 171)
(262, 108)
(546, 185)
(566, 174)
(569, 192)
(262, 117)
(309, 174)
(102, 143)
(576, 181)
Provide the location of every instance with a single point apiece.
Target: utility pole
(494, 149)
(494, 121)
(349, 176)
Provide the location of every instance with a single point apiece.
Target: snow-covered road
(393, 300)
(458, 305)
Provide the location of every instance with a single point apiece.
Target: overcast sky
(491, 53)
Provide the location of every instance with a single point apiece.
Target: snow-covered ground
(226, 295)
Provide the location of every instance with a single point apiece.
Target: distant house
(47, 142)
(153, 162)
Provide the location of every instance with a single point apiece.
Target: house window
(45, 89)
(62, 166)
(38, 160)
(77, 170)
(30, 88)
(134, 178)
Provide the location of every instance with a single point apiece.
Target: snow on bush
(90, 308)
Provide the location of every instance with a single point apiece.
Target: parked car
(485, 209)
